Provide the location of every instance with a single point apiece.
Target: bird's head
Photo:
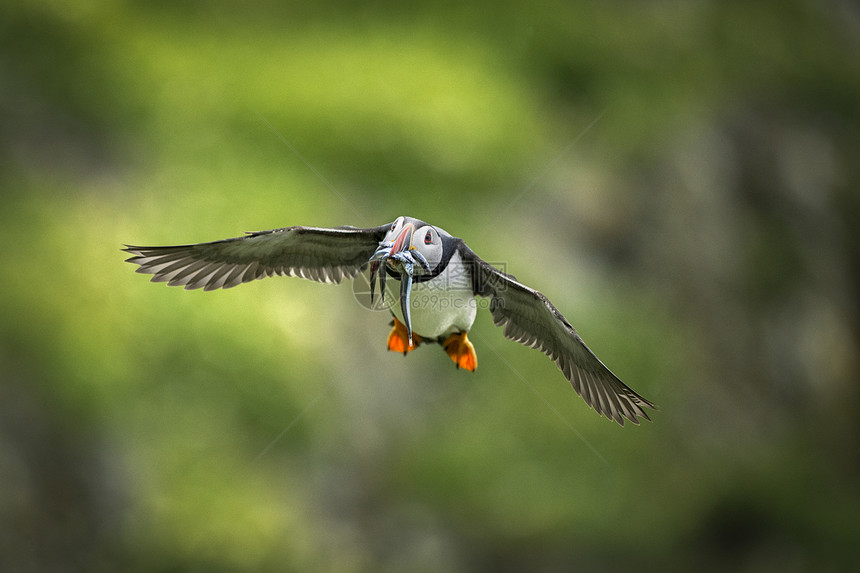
(411, 246)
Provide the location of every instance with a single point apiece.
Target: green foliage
(679, 178)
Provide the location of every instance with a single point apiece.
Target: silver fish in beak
(399, 257)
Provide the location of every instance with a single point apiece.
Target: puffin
(433, 282)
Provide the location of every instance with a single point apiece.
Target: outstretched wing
(528, 317)
(323, 255)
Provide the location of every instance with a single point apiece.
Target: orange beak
(404, 240)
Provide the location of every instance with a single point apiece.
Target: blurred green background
(680, 178)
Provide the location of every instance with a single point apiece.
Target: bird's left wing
(528, 317)
(323, 255)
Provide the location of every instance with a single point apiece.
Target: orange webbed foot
(460, 349)
(398, 339)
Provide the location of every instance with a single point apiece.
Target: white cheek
(434, 255)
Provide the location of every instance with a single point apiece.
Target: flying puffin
(439, 279)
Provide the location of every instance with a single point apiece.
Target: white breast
(441, 306)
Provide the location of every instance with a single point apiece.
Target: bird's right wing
(528, 317)
(320, 254)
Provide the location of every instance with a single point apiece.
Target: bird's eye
(428, 238)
